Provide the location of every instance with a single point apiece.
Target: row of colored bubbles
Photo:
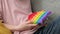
(39, 17)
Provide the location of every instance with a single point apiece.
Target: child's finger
(32, 25)
(29, 22)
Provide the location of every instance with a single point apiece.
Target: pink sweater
(15, 11)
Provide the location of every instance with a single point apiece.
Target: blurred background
(52, 5)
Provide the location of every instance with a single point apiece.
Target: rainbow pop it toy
(39, 17)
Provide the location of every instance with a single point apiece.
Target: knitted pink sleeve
(15, 11)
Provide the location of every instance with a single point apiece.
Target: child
(14, 13)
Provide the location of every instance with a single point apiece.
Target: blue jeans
(51, 28)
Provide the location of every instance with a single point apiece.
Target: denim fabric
(51, 28)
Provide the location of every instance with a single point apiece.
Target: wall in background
(52, 5)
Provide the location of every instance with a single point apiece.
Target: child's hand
(26, 26)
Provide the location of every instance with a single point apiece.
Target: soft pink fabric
(15, 11)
